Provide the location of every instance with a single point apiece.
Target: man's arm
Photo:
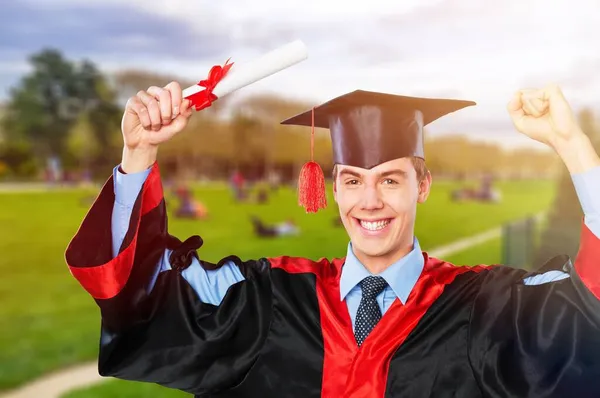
(163, 315)
(545, 116)
(583, 162)
(127, 188)
(164, 325)
(211, 286)
(587, 187)
(545, 339)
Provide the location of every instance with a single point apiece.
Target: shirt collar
(401, 276)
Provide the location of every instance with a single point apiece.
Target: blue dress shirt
(211, 286)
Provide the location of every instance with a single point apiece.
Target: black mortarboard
(369, 128)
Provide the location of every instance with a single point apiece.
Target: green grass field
(48, 321)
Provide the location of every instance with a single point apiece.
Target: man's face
(378, 206)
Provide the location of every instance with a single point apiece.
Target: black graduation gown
(284, 332)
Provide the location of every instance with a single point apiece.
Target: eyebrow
(388, 173)
(400, 173)
(344, 172)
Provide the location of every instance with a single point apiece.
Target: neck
(377, 264)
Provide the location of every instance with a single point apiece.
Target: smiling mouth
(374, 225)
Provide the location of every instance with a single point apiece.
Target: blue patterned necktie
(368, 313)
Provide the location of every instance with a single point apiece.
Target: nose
(371, 199)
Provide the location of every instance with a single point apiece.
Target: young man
(385, 321)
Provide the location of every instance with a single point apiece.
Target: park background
(67, 68)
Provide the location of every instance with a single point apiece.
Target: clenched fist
(544, 115)
(154, 116)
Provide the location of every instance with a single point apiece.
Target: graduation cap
(367, 129)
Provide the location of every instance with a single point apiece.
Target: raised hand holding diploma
(545, 116)
(154, 116)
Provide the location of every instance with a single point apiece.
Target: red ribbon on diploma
(203, 99)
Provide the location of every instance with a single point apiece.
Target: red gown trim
(107, 280)
(587, 263)
(349, 371)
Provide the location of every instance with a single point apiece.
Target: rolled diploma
(240, 76)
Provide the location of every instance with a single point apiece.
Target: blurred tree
(271, 108)
(280, 144)
(102, 114)
(455, 155)
(17, 156)
(82, 143)
(562, 231)
(2, 115)
(448, 155)
(246, 134)
(72, 110)
(38, 109)
(45, 105)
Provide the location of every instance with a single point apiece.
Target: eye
(389, 181)
(351, 182)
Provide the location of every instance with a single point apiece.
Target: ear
(424, 188)
(335, 189)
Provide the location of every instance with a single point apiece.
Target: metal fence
(519, 242)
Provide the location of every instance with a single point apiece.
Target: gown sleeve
(539, 340)
(154, 328)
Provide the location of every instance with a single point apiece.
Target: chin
(371, 246)
(372, 249)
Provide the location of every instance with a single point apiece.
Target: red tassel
(311, 188)
(311, 183)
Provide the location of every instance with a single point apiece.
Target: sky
(479, 50)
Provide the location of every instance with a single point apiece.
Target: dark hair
(418, 164)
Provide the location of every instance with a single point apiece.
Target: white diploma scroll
(241, 75)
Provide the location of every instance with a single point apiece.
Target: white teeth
(374, 226)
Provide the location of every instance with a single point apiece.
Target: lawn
(48, 322)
